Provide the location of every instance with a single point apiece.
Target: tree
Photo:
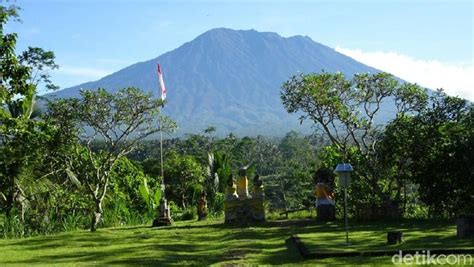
(295, 161)
(217, 172)
(40, 62)
(182, 175)
(347, 110)
(120, 121)
(133, 191)
(434, 149)
(21, 138)
(197, 145)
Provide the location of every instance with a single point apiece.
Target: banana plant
(149, 196)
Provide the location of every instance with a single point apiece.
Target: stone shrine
(163, 217)
(240, 206)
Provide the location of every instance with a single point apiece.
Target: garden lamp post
(343, 170)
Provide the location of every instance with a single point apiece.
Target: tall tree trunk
(97, 215)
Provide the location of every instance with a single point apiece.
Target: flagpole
(163, 97)
(161, 156)
(163, 216)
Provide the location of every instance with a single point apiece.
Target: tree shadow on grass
(167, 254)
(222, 244)
(132, 255)
(197, 243)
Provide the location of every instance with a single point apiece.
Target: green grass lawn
(211, 242)
(373, 236)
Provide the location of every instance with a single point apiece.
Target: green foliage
(195, 145)
(291, 185)
(182, 214)
(346, 111)
(14, 78)
(417, 211)
(23, 141)
(182, 174)
(130, 180)
(434, 150)
(151, 166)
(152, 199)
(60, 167)
(189, 213)
(218, 204)
(222, 167)
(40, 63)
(218, 171)
(120, 120)
(289, 162)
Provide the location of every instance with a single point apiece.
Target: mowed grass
(212, 242)
(417, 235)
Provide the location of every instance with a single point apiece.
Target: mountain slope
(230, 79)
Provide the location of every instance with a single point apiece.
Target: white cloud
(83, 73)
(455, 79)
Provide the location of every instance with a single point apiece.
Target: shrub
(189, 214)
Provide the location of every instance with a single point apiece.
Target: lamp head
(343, 168)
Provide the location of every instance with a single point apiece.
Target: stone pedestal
(326, 212)
(244, 211)
(163, 217)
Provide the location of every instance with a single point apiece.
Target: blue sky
(428, 42)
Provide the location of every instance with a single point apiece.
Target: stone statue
(325, 205)
(202, 207)
(242, 184)
(231, 191)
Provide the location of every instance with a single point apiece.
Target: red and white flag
(162, 84)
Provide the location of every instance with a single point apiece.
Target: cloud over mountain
(455, 79)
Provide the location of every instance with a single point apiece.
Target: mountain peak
(230, 79)
(222, 32)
